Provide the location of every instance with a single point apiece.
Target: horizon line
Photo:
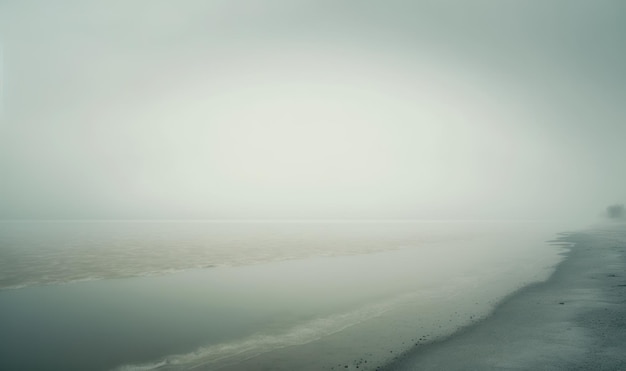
(264, 219)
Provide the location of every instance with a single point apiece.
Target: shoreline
(381, 341)
(333, 325)
(575, 320)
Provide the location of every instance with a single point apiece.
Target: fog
(312, 109)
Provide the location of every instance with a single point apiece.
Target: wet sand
(576, 320)
(316, 313)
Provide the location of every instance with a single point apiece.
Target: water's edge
(557, 324)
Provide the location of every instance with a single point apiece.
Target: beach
(576, 320)
(254, 296)
(299, 185)
(478, 296)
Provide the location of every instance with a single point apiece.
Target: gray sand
(574, 321)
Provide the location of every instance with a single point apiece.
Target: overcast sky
(312, 109)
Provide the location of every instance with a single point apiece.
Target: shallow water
(305, 295)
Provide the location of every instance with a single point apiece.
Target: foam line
(227, 353)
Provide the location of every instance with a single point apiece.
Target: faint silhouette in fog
(616, 211)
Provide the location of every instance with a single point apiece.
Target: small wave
(77, 280)
(144, 367)
(17, 287)
(116, 275)
(220, 355)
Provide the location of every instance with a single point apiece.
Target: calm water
(226, 295)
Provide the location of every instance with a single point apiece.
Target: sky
(312, 109)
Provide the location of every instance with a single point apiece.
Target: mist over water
(64, 251)
(40, 253)
(296, 183)
(214, 294)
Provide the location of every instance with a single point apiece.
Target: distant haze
(312, 109)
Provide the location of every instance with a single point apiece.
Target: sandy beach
(358, 310)
(576, 320)
(499, 299)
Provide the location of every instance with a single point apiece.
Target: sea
(253, 295)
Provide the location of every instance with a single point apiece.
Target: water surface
(207, 295)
